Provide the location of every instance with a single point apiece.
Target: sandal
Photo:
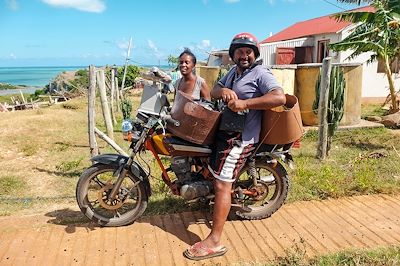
(200, 252)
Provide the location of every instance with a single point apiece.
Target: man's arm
(272, 99)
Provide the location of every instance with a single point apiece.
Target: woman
(190, 83)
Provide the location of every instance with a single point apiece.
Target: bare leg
(221, 210)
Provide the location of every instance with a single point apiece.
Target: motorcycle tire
(272, 190)
(96, 183)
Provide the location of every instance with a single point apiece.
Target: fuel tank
(171, 145)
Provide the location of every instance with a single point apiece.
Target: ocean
(32, 76)
(38, 76)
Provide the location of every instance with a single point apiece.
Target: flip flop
(200, 252)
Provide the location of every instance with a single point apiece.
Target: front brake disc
(107, 203)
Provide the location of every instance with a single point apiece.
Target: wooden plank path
(318, 227)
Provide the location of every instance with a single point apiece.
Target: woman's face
(186, 64)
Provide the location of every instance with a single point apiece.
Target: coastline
(23, 89)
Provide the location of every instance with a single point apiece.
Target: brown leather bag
(197, 123)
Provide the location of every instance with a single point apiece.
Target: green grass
(389, 256)
(11, 185)
(372, 110)
(361, 162)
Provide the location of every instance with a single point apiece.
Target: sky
(97, 32)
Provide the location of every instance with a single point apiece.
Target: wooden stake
(104, 103)
(110, 141)
(112, 96)
(117, 100)
(22, 97)
(94, 150)
(323, 108)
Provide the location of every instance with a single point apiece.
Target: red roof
(321, 25)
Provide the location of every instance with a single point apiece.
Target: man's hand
(228, 95)
(237, 105)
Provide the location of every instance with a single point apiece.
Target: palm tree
(377, 32)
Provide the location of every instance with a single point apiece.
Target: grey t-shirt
(197, 87)
(253, 82)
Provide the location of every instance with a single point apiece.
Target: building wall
(373, 84)
(268, 50)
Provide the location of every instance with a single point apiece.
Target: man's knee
(222, 186)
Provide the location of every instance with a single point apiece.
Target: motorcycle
(115, 190)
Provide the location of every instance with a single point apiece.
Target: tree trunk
(388, 72)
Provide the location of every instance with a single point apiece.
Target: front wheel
(93, 188)
(266, 196)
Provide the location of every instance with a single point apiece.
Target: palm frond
(353, 17)
(394, 6)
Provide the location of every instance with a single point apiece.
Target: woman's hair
(187, 51)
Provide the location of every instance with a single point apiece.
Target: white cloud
(12, 56)
(152, 46)
(12, 4)
(96, 6)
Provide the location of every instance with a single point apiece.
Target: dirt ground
(311, 228)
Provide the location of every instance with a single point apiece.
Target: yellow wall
(306, 77)
(286, 78)
(210, 74)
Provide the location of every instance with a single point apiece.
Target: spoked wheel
(93, 189)
(262, 199)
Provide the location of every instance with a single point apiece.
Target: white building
(307, 42)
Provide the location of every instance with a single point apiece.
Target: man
(247, 86)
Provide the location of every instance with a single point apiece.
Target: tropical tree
(377, 32)
(173, 60)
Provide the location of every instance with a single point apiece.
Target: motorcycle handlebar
(169, 119)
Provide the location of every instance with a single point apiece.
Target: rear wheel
(267, 196)
(93, 188)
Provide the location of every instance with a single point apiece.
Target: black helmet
(244, 39)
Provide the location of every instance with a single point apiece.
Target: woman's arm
(205, 91)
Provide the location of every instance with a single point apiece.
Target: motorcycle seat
(178, 141)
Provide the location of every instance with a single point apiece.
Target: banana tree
(377, 32)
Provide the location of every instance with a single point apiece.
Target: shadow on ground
(176, 224)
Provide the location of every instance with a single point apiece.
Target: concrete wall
(306, 77)
(286, 77)
(209, 73)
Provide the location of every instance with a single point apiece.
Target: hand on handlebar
(228, 95)
(237, 105)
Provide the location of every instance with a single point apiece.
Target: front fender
(118, 161)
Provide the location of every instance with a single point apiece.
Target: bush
(132, 72)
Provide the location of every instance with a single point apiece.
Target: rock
(392, 120)
(373, 118)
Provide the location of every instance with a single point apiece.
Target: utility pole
(126, 65)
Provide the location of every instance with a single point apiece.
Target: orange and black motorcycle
(114, 191)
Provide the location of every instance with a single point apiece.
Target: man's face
(244, 57)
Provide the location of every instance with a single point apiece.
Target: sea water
(32, 76)
(40, 76)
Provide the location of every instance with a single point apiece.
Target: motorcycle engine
(191, 185)
(181, 167)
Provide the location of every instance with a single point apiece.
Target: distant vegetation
(4, 86)
(132, 72)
